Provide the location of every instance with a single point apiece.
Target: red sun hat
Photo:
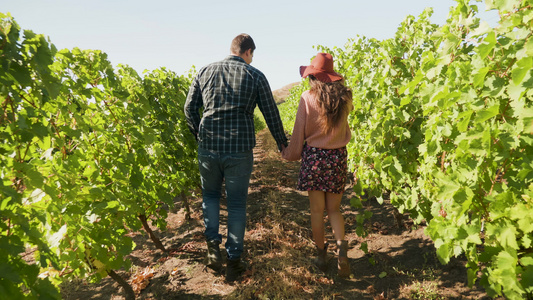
(321, 68)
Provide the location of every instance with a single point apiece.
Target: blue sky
(177, 34)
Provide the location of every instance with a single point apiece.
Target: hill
(281, 94)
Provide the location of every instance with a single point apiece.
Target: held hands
(283, 152)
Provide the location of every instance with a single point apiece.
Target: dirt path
(400, 263)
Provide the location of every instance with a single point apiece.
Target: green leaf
(505, 260)
(55, 238)
(36, 196)
(485, 114)
(4, 203)
(405, 100)
(527, 273)
(501, 5)
(516, 92)
(479, 76)
(523, 217)
(528, 46)
(112, 204)
(443, 252)
(464, 118)
(465, 197)
(527, 241)
(521, 69)
(364, 247)
(472, 275)
(36, 179)
(505, 233)
(447, 188)
(488, 45)
(505, 274)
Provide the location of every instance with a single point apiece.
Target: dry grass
(422, 290)
(281, 266)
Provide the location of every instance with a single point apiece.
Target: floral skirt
(323, 170)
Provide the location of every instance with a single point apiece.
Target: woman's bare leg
(336, 219)
(333, 203)
(317, 201)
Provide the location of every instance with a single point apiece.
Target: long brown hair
(335, 100)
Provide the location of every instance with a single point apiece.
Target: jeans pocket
(239, 164)
(206, 154)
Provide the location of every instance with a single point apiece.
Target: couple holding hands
(219, 111)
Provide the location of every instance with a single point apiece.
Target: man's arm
(192, 108)
(269, 109)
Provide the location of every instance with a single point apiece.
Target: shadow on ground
(400, 262)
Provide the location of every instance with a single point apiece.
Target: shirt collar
(234, 57)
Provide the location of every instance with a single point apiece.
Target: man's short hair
(242, 43)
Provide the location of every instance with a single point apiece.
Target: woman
(319, 137)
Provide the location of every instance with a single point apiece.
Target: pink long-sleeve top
(307, 129)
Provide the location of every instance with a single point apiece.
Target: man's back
(229, 91)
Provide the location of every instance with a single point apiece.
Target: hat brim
(319, 74)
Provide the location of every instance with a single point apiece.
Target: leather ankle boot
(234, 269)
(214, 258)
(321, 260)
(343, 264)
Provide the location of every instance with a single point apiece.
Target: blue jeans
(236, 169)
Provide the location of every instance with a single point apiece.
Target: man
(228, 91)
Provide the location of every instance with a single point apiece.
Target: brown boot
(214, 258)
(234, 269)
(321, 260)
(344, 264)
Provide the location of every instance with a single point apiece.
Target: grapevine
(443, 125)
(88, 155)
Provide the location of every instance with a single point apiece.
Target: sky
(177, 35)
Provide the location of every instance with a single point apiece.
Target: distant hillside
(281, 94)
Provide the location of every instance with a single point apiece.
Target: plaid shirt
(229, 91)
